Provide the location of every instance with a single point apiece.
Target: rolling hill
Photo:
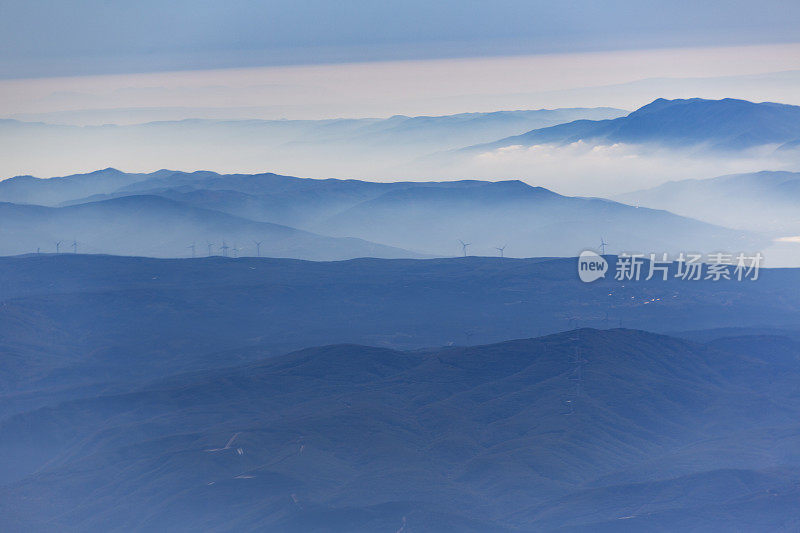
(765, 201)
(658, 433)
(153, 226)
(530, 221)
(424, 217)
(73, 321)
(53, 191)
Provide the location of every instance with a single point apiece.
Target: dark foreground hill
(70, 322)
(588, 430)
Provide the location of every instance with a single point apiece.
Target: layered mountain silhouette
(356, 377)
(340, 147)
(53, 191)
(530, 221)
(158, 227)
(726, 124)
(586, 430)
(416, 217)
(767, 201)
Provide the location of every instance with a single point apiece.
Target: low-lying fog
(579, 168)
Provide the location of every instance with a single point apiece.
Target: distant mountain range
(713, 124)
(54, 191)
(340, 147)
(652, 432)
(530, 221)
(166, 211)
(399, 130)
(357, 377)
(423, 148)
(158, 227)
(765, 201)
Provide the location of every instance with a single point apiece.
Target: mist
(375, 150)
(584, 168)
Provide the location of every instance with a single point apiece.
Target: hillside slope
(766, 201)
(726, 124)
(577, 430)
(153, 226)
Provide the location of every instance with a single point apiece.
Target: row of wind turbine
(224, 248)
(502, 249)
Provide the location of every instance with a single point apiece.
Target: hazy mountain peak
(726, 124)
(107, 170)
(519, 185)
(698, 104)
(660, 104)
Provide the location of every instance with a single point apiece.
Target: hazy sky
(626, 79)
(115, 61)
(123, 62)
(59, 38)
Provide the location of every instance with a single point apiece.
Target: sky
(44, 38)
(625, 79)
(98, 62)
(113, 61)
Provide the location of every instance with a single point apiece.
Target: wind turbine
(210, 244)
(235, 250)
(192, 246)
(501, 249)
(464, 246)
(74, 246)
(58, 246)
(603, 244)
(224, 249)
(258, 248)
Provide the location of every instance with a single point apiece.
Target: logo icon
(591, 266)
